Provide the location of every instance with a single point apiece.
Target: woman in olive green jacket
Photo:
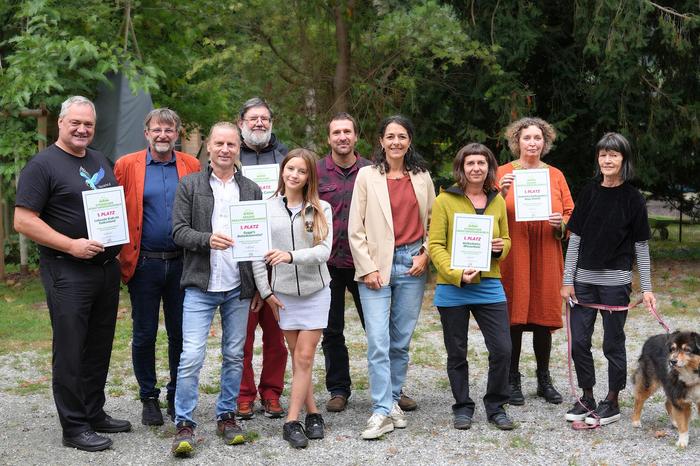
(460, 291)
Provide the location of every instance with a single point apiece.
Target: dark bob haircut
(618, 143)
(412, 160)
(474, 148)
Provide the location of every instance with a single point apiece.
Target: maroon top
(404, 211)
(335, 187)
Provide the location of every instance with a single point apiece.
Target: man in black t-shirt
(80, 276)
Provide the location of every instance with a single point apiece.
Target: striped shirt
(607, 277)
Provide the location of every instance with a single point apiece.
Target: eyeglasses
(159, 131)
(254, 119)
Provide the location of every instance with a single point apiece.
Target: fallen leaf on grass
(660, 434)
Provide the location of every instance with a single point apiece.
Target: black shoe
(150, 414)
(462, 421)
(581, 409)
(546, 390)
(314, 426)
(606, 413)
(293, 432)
(88, 441)
(516, 392)
(502, 421)
(111, 425)
(171, 406)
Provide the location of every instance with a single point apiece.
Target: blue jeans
(198, 311)
(153, 280)
(391, 314)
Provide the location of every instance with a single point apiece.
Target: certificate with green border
(471, 242)
(105, 215)
(250, 230)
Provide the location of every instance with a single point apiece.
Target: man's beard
(256, 138)
(164, 147)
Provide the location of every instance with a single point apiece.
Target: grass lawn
(25, 327)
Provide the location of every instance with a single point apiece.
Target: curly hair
(514, 129)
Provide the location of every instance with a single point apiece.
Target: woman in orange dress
(532, 271)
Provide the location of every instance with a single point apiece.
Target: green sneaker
(227, 428)
(183, 444)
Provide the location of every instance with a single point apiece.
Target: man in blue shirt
(151, 263)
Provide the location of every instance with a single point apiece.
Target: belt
(162, 255)
(84, 261)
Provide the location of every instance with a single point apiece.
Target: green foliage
(461, 69)
(49, 53)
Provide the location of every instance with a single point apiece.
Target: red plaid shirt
(335, 187)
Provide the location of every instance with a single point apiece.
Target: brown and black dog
(672, 362)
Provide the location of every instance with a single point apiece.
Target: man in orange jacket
(151, 263)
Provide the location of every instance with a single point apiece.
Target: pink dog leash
(579, 425)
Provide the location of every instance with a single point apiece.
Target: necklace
(397, 177)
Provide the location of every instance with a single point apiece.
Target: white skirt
(305, 312)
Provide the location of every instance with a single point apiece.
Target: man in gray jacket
(213, 279)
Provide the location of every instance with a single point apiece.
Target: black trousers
(582, 324)
(334, 349)
(82, 300)
(495, 326)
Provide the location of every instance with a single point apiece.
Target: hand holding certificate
(250, 230)
(105, 215)
(532, 195)
(471, 242)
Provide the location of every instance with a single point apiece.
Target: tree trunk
(341, 80)
(23, 251)
(2, 236)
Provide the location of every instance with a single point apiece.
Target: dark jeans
(582, 323)
(82, 299)
(153, 280)
(495, 327)
(334, 349)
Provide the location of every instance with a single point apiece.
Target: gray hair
(164, 115)
(75, 100)
(254, 102)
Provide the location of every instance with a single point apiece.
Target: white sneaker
(377, 425)
(397, 416)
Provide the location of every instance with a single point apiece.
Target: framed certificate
(250, 230)
(532, 196)
(471, 242)
(105, 215)
(266, 176)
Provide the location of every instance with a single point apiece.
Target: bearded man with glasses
(151, 263)
(261, 147)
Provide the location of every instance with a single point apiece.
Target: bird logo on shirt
(92, 181)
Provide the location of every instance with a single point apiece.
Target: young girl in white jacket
(301, 235)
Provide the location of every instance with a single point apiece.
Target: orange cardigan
(130, 171)
(532, 272)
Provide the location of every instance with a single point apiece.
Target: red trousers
(274, 360)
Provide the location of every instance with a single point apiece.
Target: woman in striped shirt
(609, 229)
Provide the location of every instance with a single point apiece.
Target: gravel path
(31, 433)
